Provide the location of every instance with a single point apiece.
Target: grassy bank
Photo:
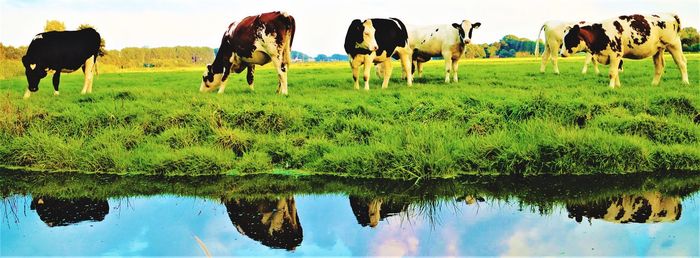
(503, 117)
(537, 192)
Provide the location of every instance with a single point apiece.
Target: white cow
(553, 38)
(448, 41)
(630, 36)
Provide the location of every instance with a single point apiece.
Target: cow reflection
(62, 212)
(645, 208)
(274, 223)
(369, 211)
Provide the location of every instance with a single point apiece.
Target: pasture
(503, 117)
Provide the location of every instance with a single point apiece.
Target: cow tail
(537, 43)
(94, 63)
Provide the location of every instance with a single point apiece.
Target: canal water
(84, 215)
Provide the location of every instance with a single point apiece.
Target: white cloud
(321, 25)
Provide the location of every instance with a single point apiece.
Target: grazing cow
(272, 222)
(377, 40)
(369, 211)
(63, 212)
(629, 36)
(650, 207)
(61, 52)
(448, 41)
(255, 40)
(553, 38)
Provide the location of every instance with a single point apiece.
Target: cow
(370, 211)
(448, 41)
(272, 222)
(629, 36)
(553, 38)
(61, 52)
(56, 212)
(255, 40)
(650, 207)
(376, 41)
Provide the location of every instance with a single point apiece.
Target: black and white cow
(553, 39)
(448, 41)
(650, 207)
(255, 40)
(377, 40)
(61, 52)
(630, 36)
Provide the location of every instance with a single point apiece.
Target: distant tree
(322, 58)
(475, 51)
(54, 25)
(339, 57)
(689, 39)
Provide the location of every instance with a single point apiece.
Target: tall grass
(502, 118)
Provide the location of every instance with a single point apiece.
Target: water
(81, 217)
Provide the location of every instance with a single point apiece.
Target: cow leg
(367, 68)
(355, 64)
(555, 58)
(455, 67)
(406, 62)
(56, 81)
(448, 65)
(614, 71)
(595, 65)
(89, 71)
(387, 69)
(658, 67)
(589, 58)
(250, 76)
(677, 54)
(420, 69)
(545, 59)
(281, 74)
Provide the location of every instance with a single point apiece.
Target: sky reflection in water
(334, 224)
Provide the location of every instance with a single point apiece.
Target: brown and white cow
(255, 40)
(630, 36)
(376, 41)
(553, 39)
(448, 41)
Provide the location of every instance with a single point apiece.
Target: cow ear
(476, 25)
(357, 25)
(456, 25)
(209, 67)
(575, 29)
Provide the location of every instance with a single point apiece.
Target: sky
(321, 24)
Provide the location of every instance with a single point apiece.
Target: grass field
(503, 117)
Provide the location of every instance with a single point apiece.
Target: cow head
(573, 42)
(33, 72)
(465, 30)
(361, 35)
(211, 80)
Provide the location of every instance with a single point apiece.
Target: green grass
(503, 117)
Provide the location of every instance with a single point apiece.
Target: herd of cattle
(268, 37)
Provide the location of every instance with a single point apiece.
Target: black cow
(376, 40)
(63, 212)
(61, 52)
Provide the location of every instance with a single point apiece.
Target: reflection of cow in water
(370, 211)
(648, 208)
(274, 223)
(62, 212)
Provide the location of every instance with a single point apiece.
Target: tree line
(131, 57)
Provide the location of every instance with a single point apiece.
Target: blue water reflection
(339, 225)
